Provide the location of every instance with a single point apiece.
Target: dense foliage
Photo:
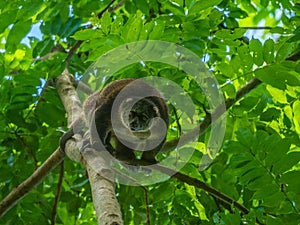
(258, 164)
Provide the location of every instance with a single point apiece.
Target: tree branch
(190, 136)
(31, 182)
(194, 133)
(78, 43)
(73, 107)
(200, 184)
(99, 171)
(55, 159)
(101, 177)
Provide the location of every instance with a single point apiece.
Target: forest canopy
(243, 170)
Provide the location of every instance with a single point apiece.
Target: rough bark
(100, 174)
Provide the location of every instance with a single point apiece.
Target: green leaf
(264, 3)
(270, 114)
(246, 105)
(229, 35)
(285, 50)
(106, 22)
(231, 22)
(268, 51)
(215, 18)
(277, 76)
(87, 34)
(226, 69)
(296, 111)
(142, 5)
(202, 5)
(238, 13)
(233, 147)
(271, 220)
(289, 181)
(290, 218)
(195, 30)
(29, 9)
(66, 217)
(286, 162)
(161, 192)
(248, 5)
(277, 30)
(116, 26)
(130, 7)
(277, 95)
(64, 11)
(275, 200)
(233, 219)
(229, 90)
(6, 19)
(259, 108)
(69, 28)
(156, 31)
(276, 149)
(251, 175)
(256, 47)
(43, 47)
(173, 7)
(13, 114)
(245, 137)
(260, 183)
(132, 29)
(245, 56)
(17, 33)
(53, 27)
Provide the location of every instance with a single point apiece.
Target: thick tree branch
(101, 177)
(31, 182)
(100, 173)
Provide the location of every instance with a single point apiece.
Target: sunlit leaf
(17, 33)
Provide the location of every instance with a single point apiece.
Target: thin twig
(58, 192)
(78, 43)
(194, 133)
(28, 149)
